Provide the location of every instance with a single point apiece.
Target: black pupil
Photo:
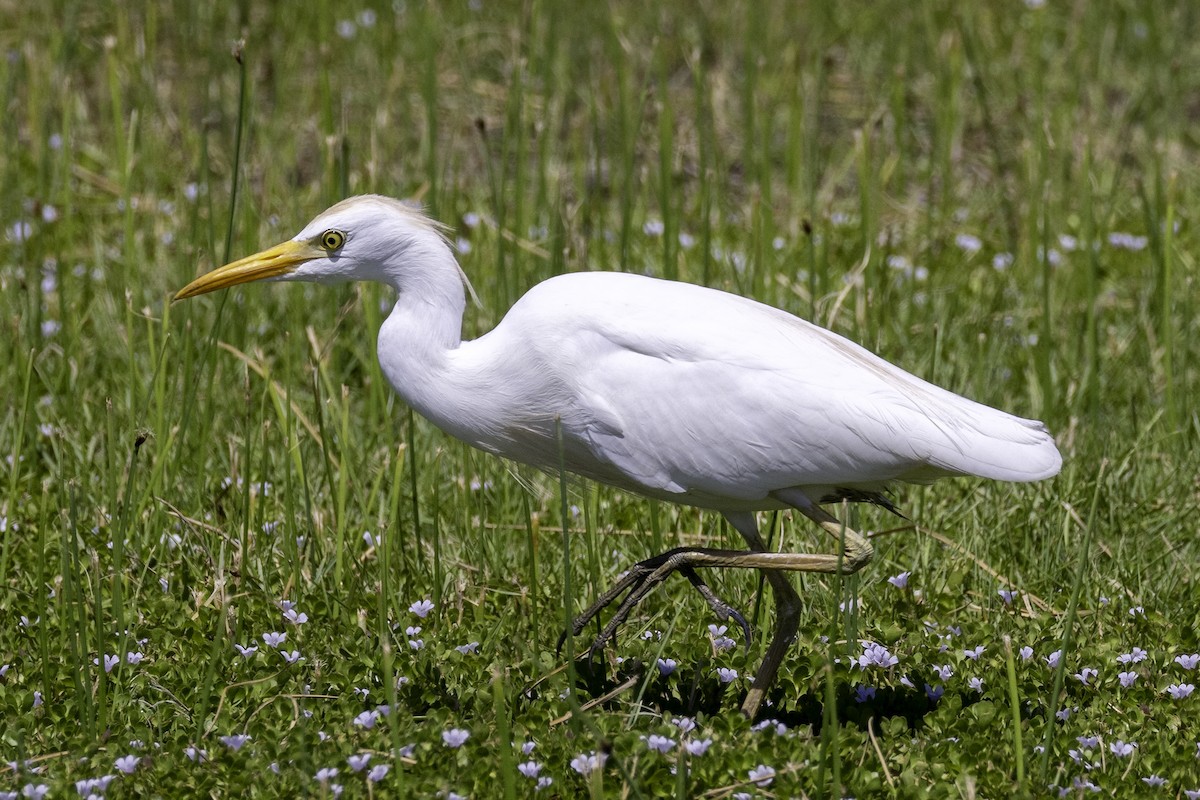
(331, 240)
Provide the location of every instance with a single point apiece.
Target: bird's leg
(787, 616)
(856, 553)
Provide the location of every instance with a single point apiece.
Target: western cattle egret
(671, 390)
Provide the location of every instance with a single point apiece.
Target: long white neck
(425, 326)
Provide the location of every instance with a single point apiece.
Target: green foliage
(998, 197)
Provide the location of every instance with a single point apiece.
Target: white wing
(687, 392)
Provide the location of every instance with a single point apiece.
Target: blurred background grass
(997, 197)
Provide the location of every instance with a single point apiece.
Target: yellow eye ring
(332, 239)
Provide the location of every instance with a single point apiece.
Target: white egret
(671, 390)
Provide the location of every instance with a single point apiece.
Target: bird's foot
(639, 581)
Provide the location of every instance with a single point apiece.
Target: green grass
(173, 473)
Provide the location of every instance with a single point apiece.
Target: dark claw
(640, 581)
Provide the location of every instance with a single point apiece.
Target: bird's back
(681, 391)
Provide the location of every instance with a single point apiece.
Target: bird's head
(364, 238)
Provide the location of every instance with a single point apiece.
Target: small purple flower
(1122, 749)
(1026, 653)
(134, 657)
(976, 684)
(1137, 611)
(294, 617)
(358, 762)
(1127, 678)
(1008, 595)
(274, 638)
(685, 724)
(1192, 794)
(1180, 690)
(1188, 661)
(109, 662)
(864, 693)
(934, 693)
(455, 737)
(127, 764)
(975, 653)
(34, 791)
(326, 774)
(195, 754)
(900, 581)
(236, 741)
(245, 652)
(727, 675)
(366, 719)
(421, 608)
(1085, 675)
(470, 648)
(1134, 656)
(666, 666)
(944, 672)
(697, 747)
(291, 657)
(1088, 742)
(529, 769)
(1053, 658)
(660, 744)
(762, 775)
(876, 655)
(1154, 780)
(378, 773)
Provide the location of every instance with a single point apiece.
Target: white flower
(968, 243)
(587, 763)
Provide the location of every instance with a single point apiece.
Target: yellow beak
(278, 260)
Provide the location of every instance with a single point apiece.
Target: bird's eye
(332, 240)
